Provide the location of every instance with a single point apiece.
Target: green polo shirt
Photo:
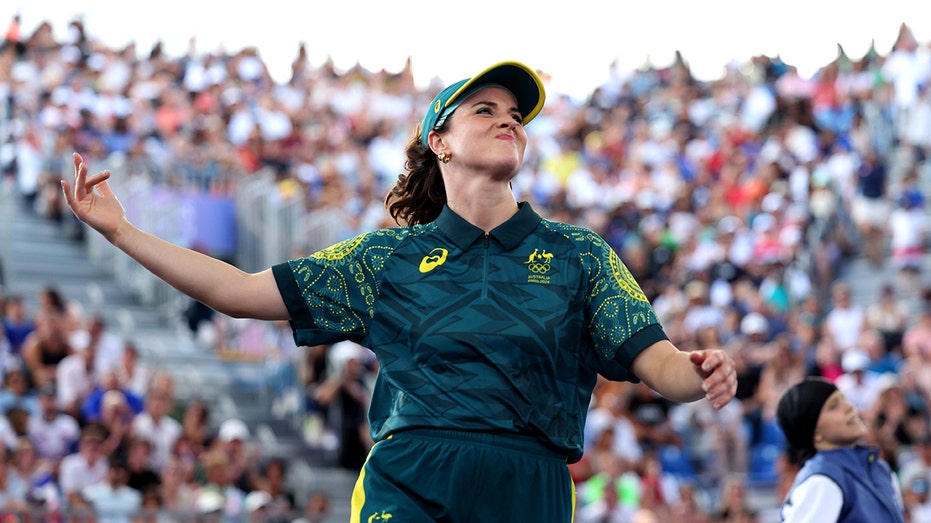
(503, 332)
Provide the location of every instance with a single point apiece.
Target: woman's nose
(507, 121)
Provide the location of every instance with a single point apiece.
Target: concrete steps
(36, 252)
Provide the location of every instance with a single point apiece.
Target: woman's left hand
(718, 374)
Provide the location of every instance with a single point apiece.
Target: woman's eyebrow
(494, 105)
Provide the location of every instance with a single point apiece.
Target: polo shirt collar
(509, 234)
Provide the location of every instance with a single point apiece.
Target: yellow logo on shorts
(383, 516)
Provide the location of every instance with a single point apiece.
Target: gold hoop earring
(444, 157)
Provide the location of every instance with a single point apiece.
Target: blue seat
(676, 461)
(771, 434)
(763, 463)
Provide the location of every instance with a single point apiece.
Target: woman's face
(839, 424)
(485, 133)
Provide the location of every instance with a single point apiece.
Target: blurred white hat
(256, 500)
(754, 323)
(208, 501)
(855, 360)
(233, 429)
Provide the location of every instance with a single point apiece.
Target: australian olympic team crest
(538, 263)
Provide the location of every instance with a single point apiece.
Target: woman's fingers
(80, 175)
(83, 184)
(66, 188)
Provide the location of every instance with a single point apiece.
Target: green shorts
(427, 475)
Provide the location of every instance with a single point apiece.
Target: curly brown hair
(419, 194)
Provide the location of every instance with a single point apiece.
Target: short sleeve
(616, 307)
(331, 294)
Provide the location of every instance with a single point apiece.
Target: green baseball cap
(522, 81)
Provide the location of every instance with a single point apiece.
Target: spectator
(198, 316)
(316, 509)
(888, 315)
(233, 438)
(106, 346)
(92, 407)
(178, 489)
(112, 500)
(845, 320)
(751, 352)
(916, 499)
(915, 394)
(701, 313)
(272, 479)
(14, 424)
(85, 467)
(650, 416)
(881, 360)
(156, 426)
(187, 454)
(598, 453)
(142, 475)
(733, 506)
(859, 385)
(218, 492)
(75, 381)
(919, 464)
(46, 346)
(315, 375)
(916, 477)
(686, 507)
(827, 360)
(195, 423)
(133, 375)
(907, 227)
(610, 495)
(12, 487)
(346, 392)
(16, 393)
(16, 324)
(257, 505)
(53, 432)
(870, 207)
(611, 410)
(715, 442)
(778, 373)
(153, 509)
(892, 427)
(916, 341)
(38, 476)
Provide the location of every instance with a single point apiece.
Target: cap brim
(523, 82)
(520, 80)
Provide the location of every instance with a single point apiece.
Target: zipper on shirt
(485, 268)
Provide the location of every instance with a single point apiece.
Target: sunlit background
(574, 42)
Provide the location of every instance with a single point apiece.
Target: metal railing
(269, 229)
(42, 514)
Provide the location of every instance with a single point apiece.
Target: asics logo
(433, 260)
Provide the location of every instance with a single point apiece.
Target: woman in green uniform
(489, 322)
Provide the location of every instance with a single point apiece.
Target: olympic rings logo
(539, 268)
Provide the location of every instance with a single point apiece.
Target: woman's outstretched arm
(215, 283)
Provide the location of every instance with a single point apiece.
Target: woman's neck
(484, 209)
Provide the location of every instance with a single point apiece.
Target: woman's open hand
(92, 201)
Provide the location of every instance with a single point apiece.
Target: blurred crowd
(736, 203)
